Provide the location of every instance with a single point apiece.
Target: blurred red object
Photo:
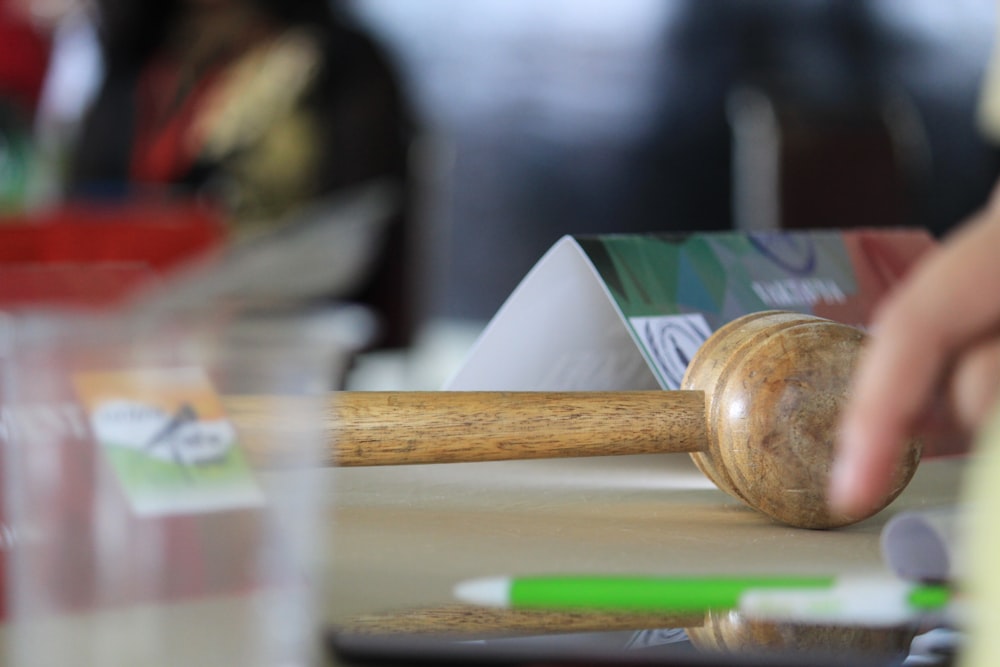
(98, 255)
(24, 57)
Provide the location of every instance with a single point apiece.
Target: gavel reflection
(757, 411)
(722, 632)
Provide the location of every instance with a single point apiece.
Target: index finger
(946, 304)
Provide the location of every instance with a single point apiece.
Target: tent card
(167, 439)
(626, 312)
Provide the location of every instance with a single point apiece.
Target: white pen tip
(488, 591)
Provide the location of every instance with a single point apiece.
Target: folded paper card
(622, 312)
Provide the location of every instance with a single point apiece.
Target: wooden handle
(458, 620)
(388, 428)
(393, 428)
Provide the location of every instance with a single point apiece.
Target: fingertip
(843, 487)
(842, 492)
(846, 493)
(852, 497)
(859, 477)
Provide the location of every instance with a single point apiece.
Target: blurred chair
(797, 164)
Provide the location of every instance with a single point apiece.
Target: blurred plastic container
(138, 528)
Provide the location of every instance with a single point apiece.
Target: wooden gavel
(757, 411)
(717, 631)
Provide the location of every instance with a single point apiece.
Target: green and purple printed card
(622, 312)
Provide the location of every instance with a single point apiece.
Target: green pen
(870, 600)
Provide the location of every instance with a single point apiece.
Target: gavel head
(731, 632)
(774, 386)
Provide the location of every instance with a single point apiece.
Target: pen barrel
(392, 428)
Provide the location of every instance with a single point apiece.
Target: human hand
(932, 362)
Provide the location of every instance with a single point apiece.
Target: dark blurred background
(576, 116)
(528, 120)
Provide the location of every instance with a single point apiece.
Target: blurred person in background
(260, 106)
(583, 116)
(24, 59)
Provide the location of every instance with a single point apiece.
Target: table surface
(402, 537)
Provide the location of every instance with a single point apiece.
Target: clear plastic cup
(139, 529)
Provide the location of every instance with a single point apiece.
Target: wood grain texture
(396, 428)
(758, 411)
(476, 622)
(731, 632)
(389, 428)
(775, 383)
(715, 631)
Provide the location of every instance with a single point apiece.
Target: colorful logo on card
(168, 440)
